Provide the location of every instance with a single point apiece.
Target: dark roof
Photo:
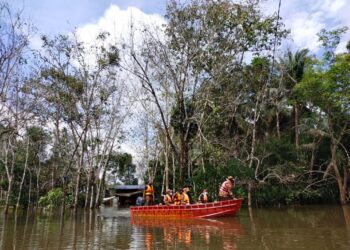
(129, 187)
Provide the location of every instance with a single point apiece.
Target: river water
(306, 227)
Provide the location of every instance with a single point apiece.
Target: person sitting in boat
(188, 192)
(185, 199)
(149, 194)
(139, 201)
(177, 197)
(204, 196)
(225, 192)
(168, 197)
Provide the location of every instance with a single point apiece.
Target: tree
(294, 65)
(326, 86)
(203, 47)
(79, 86)
(14, 108)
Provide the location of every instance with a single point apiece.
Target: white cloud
(306, 18)
(118, 23)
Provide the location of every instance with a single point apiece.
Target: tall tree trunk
(88, 190)
(1, 189)
(30, 188)
(183, 159)
(174, 170)
(10, 177)
(249, 194)
(278, 124)
(342, 181)
(37, 184)
(64, 196)
(99, 188)
(23, 176)
(296, 125)
(53, 176)
(166, 155)
(92, 200)
(77, 186)
(9, 190)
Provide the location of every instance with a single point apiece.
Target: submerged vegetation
(217, 94)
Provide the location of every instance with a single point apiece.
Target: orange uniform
(149, 195)
(185, 200)
(177, 198)
(168, 199)
(226, 189)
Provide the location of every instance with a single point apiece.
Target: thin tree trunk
(92, 196)
(174, 171)
(296, 125)
(88, 191)
(30, 188)
(278, 124)
(23, 176)
(10, 179)
(64, 197)
(342, 182)
(249, 194)
(37, 185)
(183, 159)
(53, 176)
(99, 187)
(77, 185)
(9, 190)
(166, 164)
(1, 190)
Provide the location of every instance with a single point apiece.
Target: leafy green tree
(326, 86)
(294, 66)
(121, 165)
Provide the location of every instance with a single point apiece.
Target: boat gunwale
(191, 207)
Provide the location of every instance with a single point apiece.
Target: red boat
(208, 210)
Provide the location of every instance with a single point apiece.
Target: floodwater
(306, 227)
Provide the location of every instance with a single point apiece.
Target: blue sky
(53, 16)
(304, 17)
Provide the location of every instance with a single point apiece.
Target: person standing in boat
(204, 196)
(149, 194)
(225, 192)
(168, 198)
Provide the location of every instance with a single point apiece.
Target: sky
(305, 18)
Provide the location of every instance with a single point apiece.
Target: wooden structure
(126, 194)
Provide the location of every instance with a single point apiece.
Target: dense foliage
(218, 101)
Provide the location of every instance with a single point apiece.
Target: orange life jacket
(226, 188)
(149, 190)
(168, 199)
(185, 200)
(177, 198)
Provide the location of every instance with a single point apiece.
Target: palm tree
(294, 65)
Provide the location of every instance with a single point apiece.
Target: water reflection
(346, 211)
(190, 234)
(313, 227)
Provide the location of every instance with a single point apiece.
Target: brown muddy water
(307, 227)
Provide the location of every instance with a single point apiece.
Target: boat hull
(208, 210)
